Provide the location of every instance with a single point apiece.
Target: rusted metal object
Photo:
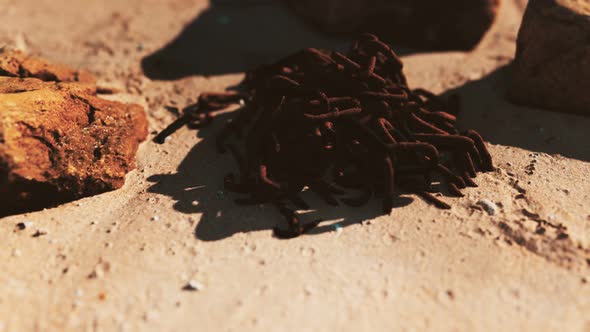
(346, 127)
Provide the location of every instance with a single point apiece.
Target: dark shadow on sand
(233, 36)
(197, 187)
(485, 108)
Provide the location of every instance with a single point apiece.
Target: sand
(119, 261)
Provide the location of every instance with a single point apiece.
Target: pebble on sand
(488, 206)
(40, 232)
(24, 225)
(193, 285)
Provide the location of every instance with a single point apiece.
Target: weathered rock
(552, 65)
(17, 64)
(430, 24)
(59, 141)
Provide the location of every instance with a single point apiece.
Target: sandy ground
(119, 261)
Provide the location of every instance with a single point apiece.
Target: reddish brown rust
(347, 132)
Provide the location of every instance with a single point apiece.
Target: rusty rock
(429, 24)
(552, 65)
(15, 63)
(59, 141)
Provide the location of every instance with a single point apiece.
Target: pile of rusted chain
(346, 127)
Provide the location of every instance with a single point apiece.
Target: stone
(421, 24)
(193, 285)
(14, 63)
(488, 206)
(59, 142)
(552, 65)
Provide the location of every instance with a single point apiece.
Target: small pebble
(16, 253)
(151, 316)
(338, 229)
(488, 206)
(474, 76)
(451, 294)
(40, 232)
(155, 218)
(193, 285)
(20, 43)
(24, 225)
(100, 270)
